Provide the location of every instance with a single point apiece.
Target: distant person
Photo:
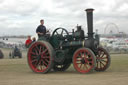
(33, 39)
(16, 49)
(28, 41)
(41, 29)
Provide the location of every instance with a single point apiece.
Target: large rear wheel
(102, 60)
(84, 60)
(40, 57)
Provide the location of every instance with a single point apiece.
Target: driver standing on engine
(41, 29)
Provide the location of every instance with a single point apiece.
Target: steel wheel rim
(102, 60)
(39, 57)
(88, 58)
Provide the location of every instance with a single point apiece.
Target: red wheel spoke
(33, 53)
(33, 56)
(36, 52)
(35, 64)
(46, 60)
(80, 65)
(85, 66)
(43, 48)
(38, 64)
(45, 51)
(89, 62)
(37, 48)
(40, 50)
(85, 55)
(34, 60)
(45, 63)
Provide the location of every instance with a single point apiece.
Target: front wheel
(84, 60)
(103, 60)
(40, 57)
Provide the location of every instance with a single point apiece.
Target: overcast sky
(18, 17)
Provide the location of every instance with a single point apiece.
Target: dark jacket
(41, 29)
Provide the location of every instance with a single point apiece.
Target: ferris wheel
(111, 28)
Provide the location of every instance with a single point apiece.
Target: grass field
(17, 72)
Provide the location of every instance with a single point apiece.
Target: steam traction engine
(59, 50)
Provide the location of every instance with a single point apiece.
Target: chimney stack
(90, 22)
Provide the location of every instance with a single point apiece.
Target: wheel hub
(39, 57)
(83, 61)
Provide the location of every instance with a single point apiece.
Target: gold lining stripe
(83, 43)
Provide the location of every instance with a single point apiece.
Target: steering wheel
(60, 32)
